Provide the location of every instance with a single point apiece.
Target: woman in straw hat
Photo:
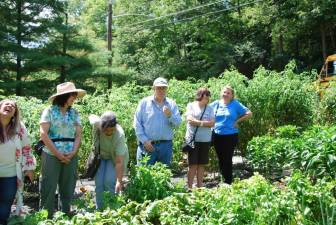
(60, 130)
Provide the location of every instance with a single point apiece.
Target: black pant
(224, 146)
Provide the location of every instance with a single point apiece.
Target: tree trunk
(323, 39)
(333, 43)
(297, 48)
(281, 50)
(109, 44)
(18, 88)
(64, 50)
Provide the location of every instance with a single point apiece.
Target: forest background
(114, 50)
(43, 43)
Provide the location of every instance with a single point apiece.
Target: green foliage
(313, 152)
(316, 201)
(149, 183)
(253, 201)
(274, 98)
(268, 154)
(327, 113)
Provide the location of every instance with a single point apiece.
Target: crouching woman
(109, 137)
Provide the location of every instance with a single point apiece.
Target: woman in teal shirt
(229, 112)
(60, 130)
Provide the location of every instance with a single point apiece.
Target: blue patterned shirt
(61, 126)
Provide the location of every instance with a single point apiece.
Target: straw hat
(65, 88)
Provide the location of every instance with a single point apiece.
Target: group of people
(154, 121)
(156, 117)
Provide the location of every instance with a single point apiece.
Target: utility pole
(109, 42)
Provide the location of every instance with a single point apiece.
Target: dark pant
(224, 146)
(8, 187)
(56, 173)
(200, 155)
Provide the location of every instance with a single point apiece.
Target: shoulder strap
(217, 107)
(194, 136)
(96, 140)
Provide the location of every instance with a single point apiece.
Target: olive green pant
(56, 173)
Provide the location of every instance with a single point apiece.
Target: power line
(177, 13)
(189, 18)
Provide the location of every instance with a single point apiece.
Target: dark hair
(13, 123)
(60, 100)
(201, 92)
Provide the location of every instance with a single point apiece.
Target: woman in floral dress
(16, 159)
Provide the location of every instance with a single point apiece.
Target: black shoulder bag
(190, 146)
(93, 161)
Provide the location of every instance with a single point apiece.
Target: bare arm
(200, 123)
(119, 173)
(76, 143)
(246, 116)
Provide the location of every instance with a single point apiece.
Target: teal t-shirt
(226, 115)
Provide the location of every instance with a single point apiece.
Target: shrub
(313, 152)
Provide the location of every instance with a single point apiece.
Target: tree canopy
(60, 40)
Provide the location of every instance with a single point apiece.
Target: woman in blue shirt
(229, 112)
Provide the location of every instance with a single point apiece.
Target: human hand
(167, 111)
(30, 175)
(119, 187)
(70, 155)
(193, 122)
(61, 157)
(148, 146)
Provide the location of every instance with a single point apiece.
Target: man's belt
(159, 141)
(156, 142)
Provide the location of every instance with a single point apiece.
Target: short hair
(201, 92)
(13, 123)
(108, 119)
(60, 100)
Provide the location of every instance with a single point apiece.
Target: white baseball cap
(160, 82)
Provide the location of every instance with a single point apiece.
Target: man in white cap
(154, 120)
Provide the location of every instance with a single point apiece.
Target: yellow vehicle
(328, 72)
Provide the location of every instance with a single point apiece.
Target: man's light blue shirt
(150, 122)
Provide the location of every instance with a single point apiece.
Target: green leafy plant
(149, 182)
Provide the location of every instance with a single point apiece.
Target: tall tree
(25, 31)
(68, 48)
